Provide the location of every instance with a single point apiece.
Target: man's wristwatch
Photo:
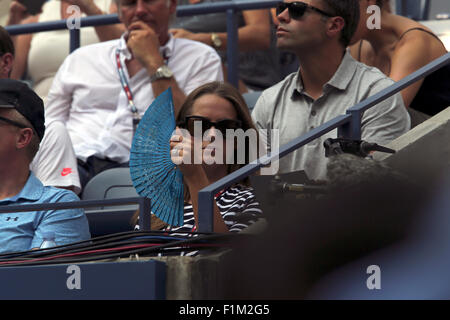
(217, 43)
(162, 72)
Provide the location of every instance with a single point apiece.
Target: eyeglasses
(297, 9)
(207, 124)
(14, 123)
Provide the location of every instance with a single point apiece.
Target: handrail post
(145, 221)
(399, 7)
(425, 13)
(352, 129)
(205, 211)
(232, 47)
(74, 39)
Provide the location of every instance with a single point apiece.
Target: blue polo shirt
(23, 231)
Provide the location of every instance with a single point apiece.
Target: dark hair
(384, 4)
(349, 11)
(6, 44)
(381, 3)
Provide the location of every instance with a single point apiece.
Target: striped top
(237, 205)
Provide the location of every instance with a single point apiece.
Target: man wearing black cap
(55, 164)
(21, 130)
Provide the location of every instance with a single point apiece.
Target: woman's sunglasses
(207, 124)
(297, 9)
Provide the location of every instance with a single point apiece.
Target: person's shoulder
(371, 76)
(418, 44)
(53, 195)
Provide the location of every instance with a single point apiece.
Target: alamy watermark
(74, 280)
(374, 280)
(74, 19)
(374, 21)
(237, 147)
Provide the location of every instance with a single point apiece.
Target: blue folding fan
(153, 173)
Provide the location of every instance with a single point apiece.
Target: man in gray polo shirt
(328, 82)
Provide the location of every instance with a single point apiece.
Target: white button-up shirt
(87, 94)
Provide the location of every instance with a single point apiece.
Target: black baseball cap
(18, 95)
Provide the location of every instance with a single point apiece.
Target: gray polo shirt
(288, 108)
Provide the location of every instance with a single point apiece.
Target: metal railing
(144, 207)
(230, 7)
(349, 126)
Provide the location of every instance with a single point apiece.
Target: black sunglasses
(207, 124)
(297, 9)
(14, 123)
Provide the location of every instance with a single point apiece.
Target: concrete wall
(425, 146)
(439, 6)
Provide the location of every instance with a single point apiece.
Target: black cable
(91, 243)
(88, 247)
(89, 258)
(177, 244)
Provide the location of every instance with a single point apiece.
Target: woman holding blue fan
(206, 115)
(215, 107)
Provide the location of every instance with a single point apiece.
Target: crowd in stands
(256, 42)
(400, 47)
(39, 55)
(95, 97)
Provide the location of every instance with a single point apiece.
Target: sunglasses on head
(297, 9)
(207, 124)
(14, 123)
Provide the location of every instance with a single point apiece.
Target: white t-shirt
(55, 163)
(87, 94)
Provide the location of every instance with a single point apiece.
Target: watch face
(162, 72)
(216, 40)
(166, 71)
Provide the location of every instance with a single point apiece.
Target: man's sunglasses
(297, 9)
(207, 124)
(14, 123)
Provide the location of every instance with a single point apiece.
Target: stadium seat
(110, 184)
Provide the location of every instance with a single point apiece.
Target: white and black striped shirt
(238, 208)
